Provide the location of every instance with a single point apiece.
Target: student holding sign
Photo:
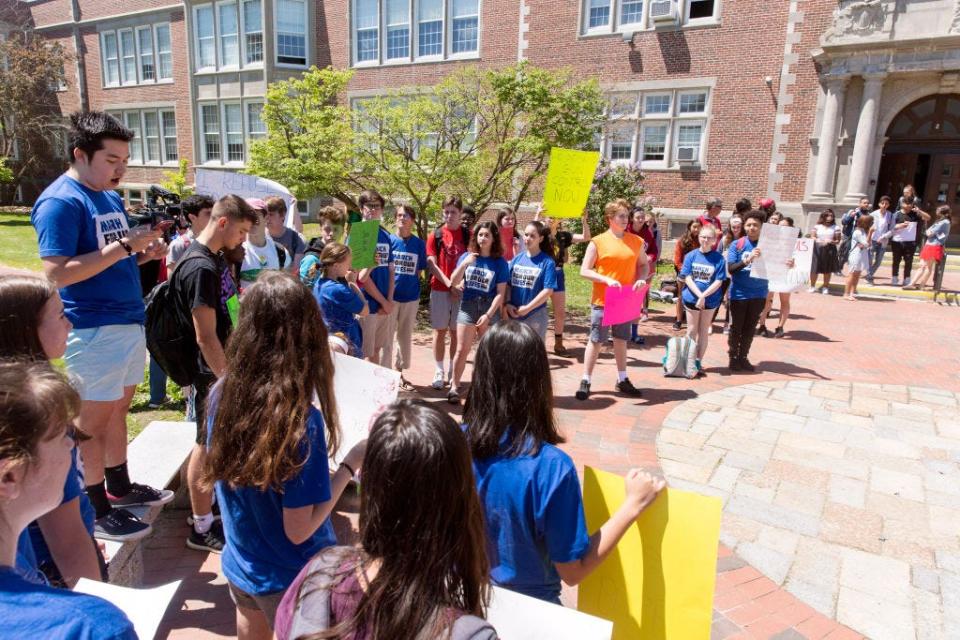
(378, 287)
(613, 259)
(485, 274)
(533, 278)
(904, 241)
(536, 531)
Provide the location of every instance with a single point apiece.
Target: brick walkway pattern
(828, 338)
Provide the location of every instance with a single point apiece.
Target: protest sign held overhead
(216, 184)
(569, 179)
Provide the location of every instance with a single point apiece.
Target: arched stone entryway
(923, 149)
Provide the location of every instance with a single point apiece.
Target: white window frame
(614, 24)
(117, 63)
(386, 33)
(203, 133)
(149, 161)
(156, 50)
(306, 39)
(138, 158)
(241, 7)
(218, 35)
(224, 141)
(105, 62)
(413, 25)
(153, 54)
(673, 120)
(198, 65)
(164, 137)
(248, 132)
(140, 122)
(125, 81)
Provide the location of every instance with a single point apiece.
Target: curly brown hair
(278, 361)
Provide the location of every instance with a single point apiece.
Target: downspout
(81, 57)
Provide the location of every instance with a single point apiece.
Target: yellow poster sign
(569, 178)
(658, 583)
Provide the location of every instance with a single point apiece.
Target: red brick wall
(49, 12)
(94, 9)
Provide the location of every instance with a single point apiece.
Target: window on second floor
(396, 31)
(611, 16)
(228, 35)
(291, 37)
(136, 56)
(226, 130)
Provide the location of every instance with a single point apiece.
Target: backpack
(680, 360)
(281, 254)
(438, 238)
(172, 342)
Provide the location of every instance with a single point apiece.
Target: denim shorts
(105, 360)
(599, 332)
(537, 320)
(471, 310)
(561, 281)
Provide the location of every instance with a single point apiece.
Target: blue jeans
(877, 249)
(158, 383)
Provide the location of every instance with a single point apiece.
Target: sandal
(452, 396)
(405, 385)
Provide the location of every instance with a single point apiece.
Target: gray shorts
(471, 310)
(268, 603)
(443, 310)
(537, 320)
(599, 332)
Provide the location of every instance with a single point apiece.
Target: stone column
(865, 143)
(829, 129)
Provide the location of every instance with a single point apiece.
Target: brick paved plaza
(838, 460)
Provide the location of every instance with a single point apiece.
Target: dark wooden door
(896, 170)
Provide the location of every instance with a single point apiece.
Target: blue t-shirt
(72, 220)
(73, 489)
(258, 556)
(483, 276)
(30, 610)
(534, 517)
(529, 276)
(409, 259)
(338, 304)
(742, 285)
(706, 268)
(380, 274)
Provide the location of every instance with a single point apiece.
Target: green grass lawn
(18, 242)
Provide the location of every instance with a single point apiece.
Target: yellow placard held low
(569, 178)
(659, 581)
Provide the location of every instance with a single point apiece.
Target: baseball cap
(768, 203)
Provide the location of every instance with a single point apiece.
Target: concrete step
(885, 290)
(953, 265)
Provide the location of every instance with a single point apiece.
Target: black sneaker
(141, 495)
(215, 510)
(746, 366)
(453, 396)
(119, 525)
(778, 332)
(734, 365)
(677, 325)
(762, 331)
(584, 391)
(626, 387)
(212, 541)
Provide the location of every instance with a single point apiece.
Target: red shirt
(451, 249)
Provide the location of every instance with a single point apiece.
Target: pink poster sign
(623, 304)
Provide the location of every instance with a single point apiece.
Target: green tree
(309, 146)
(176, 181)
(6, 175)
(31, 70)
(484, 135)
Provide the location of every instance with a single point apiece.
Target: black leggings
(744, 314)
(903, 250)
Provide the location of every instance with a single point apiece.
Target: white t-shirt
(257, 259)
(178, 247)
(825, 233)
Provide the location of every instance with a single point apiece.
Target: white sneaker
(438, 380)
(812, 290)
(895, 281)
(906, 282)
(825, 291)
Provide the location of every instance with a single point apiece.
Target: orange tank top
(617, 259)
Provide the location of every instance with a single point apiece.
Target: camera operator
(90, 251)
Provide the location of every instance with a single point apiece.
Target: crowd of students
(491, 501)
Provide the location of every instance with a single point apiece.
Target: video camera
(161, 206)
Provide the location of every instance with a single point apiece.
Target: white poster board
(144, 607)
(907, 234)
(519, 617)
(362, 390)
(778, 244)
(216, 184)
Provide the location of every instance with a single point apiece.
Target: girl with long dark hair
(533, 277)
(421, 571)
(269, 445)
(33, 327)
(485, 274)
(685, 244)
(529, 489)
(933, 250)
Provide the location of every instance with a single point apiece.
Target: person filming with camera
(91, 251)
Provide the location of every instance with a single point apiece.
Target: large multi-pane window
(140, 56)
(226, 129)
(393, 31)
(291, 18)
(228, 34)
(609, 16)
(660, 128)
(154, 135)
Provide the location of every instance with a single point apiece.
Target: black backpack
(171, 340)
